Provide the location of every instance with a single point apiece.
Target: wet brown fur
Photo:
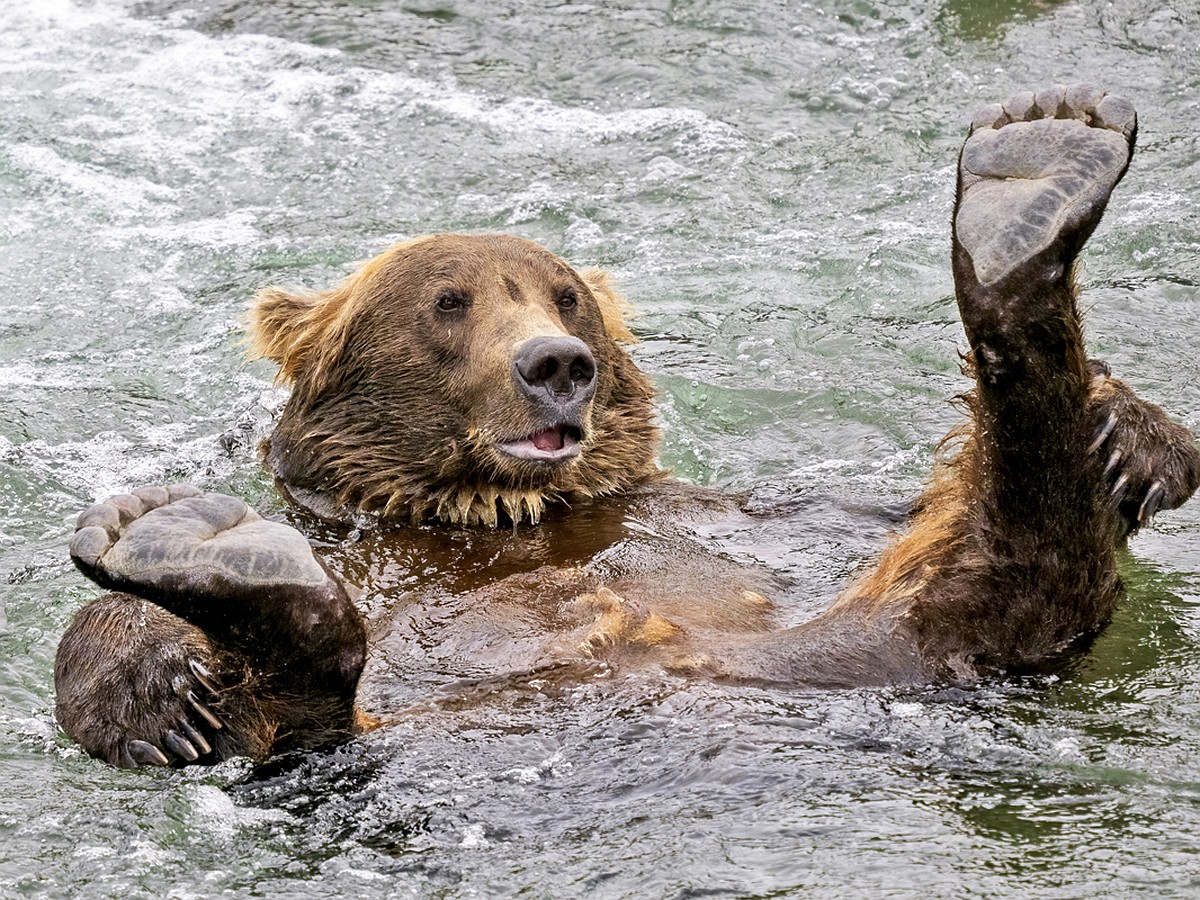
(986, 578)
(395, 410)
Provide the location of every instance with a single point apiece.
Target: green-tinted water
(771, 182)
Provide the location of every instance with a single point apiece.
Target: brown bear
(478, 381)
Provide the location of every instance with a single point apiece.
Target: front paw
(181, 732)
(1150, 462)
(135, 685)
(620, 621)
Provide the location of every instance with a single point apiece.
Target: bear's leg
(1032, 564)
(251, 588)
(1010, 556)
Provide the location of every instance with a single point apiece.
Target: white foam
(215, 814)
(24, 375)
(665, 169)
(91, 854)
(110, 463)
(474, 838)
(238, 228)
(551, 767)
(529, 115)
(170, 95)
(45, 14)
(130, 195)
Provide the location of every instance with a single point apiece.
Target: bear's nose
(562, 366)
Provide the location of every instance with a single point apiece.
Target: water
(771, 183)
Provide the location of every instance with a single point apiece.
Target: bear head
(465, 379)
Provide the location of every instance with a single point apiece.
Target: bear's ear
(303, 333)
(613, 307)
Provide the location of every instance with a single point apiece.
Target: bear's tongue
(550, 439)
(550, 445)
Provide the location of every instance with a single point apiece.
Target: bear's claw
(183, 742)
(198, 740)
(210, 718)
(201, 674)
(1103, 431)
(206, 586)
(1153, 501)
(180, 746)
(1150, 462)
(141, 753)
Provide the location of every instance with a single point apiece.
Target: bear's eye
(567, 299)
(450, 301)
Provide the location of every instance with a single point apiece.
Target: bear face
(467, 379)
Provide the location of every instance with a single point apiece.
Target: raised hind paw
(250, 584)
(1150, 462)
(165, 543)
(1035, 174)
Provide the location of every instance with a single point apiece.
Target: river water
(771, 183)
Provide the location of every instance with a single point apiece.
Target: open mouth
(555, 444)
